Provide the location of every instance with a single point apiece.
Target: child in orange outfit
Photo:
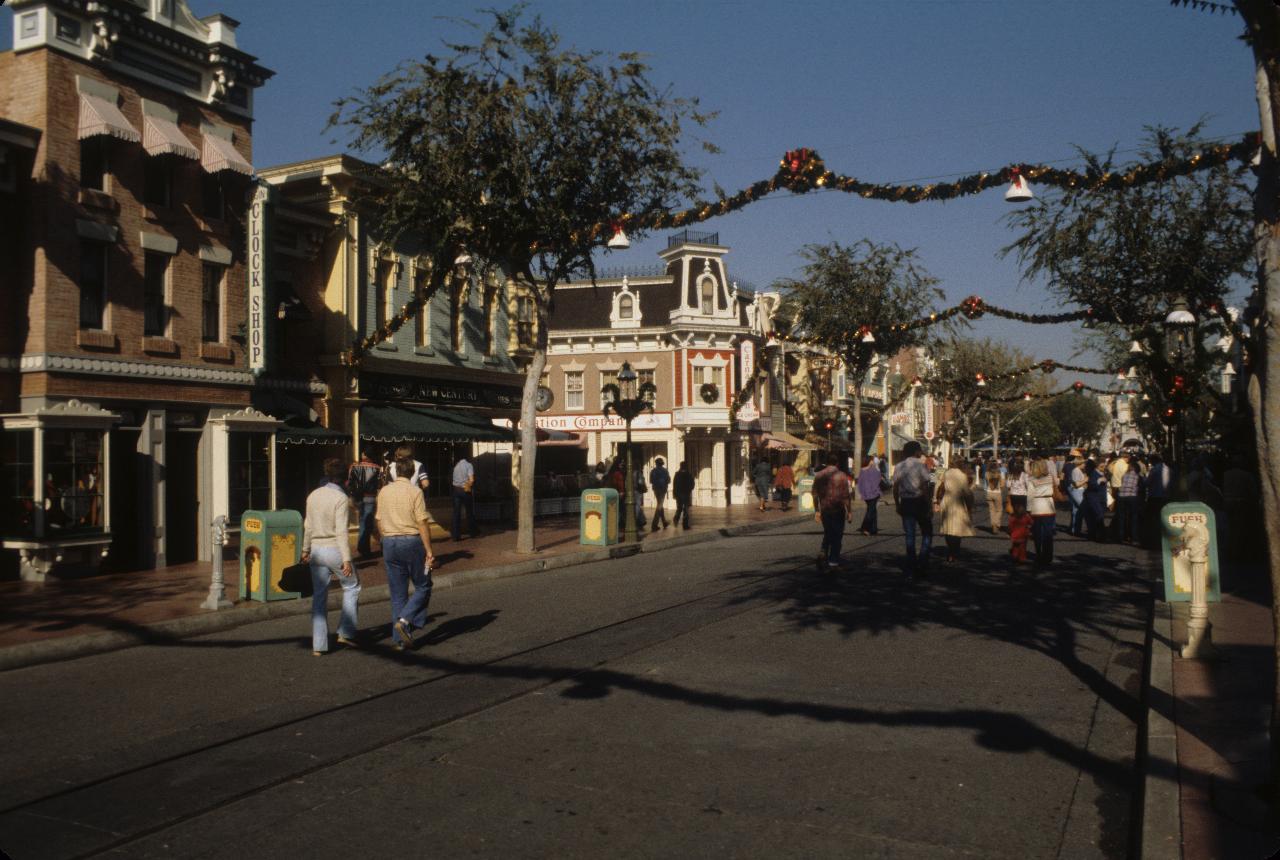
(1019, 530)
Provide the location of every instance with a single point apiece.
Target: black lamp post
(1179, 339)
(627, 400)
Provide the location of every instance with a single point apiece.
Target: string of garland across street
(802, 170)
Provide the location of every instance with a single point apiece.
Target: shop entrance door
(130, 500)
(182, 496)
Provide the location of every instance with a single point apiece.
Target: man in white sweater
(326, 546)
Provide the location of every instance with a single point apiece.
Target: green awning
(302, 431)
(423, 424)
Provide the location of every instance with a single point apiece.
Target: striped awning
(99, 116)
(162, 137)
(219, 155)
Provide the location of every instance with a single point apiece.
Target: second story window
(93, 284)
(573, 389)
(381, 294)
(643, 377)
(155, 308)
(211, 304)
(490, 317)
(93, 162)
(420, 280)
(607, 377)
(157, 184)
(524, 320)
(457, 308)
(212, 197)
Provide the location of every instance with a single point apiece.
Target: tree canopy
(521, 154)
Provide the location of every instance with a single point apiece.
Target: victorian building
(447, 382)
(689, 330)
(125, 155)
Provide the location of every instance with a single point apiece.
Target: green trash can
(270, 544)
(804, 492)
(598, 517)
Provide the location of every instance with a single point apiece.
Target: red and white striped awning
(99, 116)
(163, 137)
(219, 154)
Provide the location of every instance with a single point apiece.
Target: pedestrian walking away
(1043, 495)
(659, 482)
(1095, 502)
(405, 526)
(871, 484)
(1015, 484)
(1129, 502)
(784, 482)
(1076, 482)
(682, 489)
(912, 495)
(993, 488)
(954, 500)
(364, 479)
(326, 547)
(1020, 524)
(831, 492)
(464, 497)
(762, 476)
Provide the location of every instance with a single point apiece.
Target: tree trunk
(858, 450)
(1265, 337)
(529, 432)
(995, 436)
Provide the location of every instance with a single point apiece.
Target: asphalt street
(722, 699)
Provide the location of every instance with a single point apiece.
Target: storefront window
(73, 481)
(17, 483)
(250, 480)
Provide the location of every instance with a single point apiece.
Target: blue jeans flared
(405, 558)
(869, 520)
(833, 534)
(918, 512)
(368, 506)
(326, 562)
(1042, 528)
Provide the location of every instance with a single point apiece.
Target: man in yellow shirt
(405, 527)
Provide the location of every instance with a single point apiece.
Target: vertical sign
(257, 257)
(748, 362)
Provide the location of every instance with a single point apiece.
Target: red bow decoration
(796, 159)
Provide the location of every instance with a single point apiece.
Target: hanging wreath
(710, 392)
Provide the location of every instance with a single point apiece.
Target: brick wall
(38, 88)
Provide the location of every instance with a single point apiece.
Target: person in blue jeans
(364, 479)
(913, 494)
(326, 547)
(869, 480)
(405, 527)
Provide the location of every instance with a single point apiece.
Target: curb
(160, 632)
(1161, 816)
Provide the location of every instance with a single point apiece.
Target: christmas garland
(1074, 388)
(802, 170)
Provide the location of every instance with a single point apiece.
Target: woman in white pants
(326, 546)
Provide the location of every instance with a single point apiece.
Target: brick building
(123, 374)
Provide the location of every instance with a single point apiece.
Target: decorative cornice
(147, 370)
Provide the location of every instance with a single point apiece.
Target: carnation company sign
(596, 423)
(748, 360)
(899, 419)
(257, 346)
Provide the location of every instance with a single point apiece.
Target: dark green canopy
(424, 424)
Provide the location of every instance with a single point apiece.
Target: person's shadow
(461, 626)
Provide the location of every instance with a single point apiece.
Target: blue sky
(885, 90)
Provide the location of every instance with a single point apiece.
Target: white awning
(219, 154)
(99, 116)
(162, 137)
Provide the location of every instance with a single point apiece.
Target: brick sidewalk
(1222, 709)
(32, 612)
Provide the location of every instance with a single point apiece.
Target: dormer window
(708, 291)
(626, 307)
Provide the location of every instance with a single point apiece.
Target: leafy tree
(1034, 428)
(1080, 418)
(953, 376)
(846, 287)
(515, 151)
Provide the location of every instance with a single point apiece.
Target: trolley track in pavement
(94, 810)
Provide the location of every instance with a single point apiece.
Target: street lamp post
(1179, 330)
(627, 400)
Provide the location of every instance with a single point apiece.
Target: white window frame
(575, 384)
